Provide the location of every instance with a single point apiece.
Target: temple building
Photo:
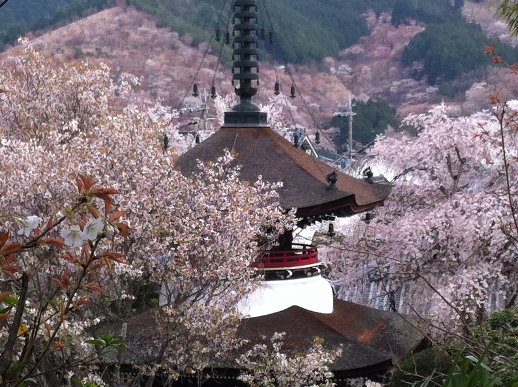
(294, 296)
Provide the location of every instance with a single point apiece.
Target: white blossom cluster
(268, 365)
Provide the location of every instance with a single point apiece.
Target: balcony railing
(299, 256)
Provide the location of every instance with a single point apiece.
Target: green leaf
(11, 300)
(95, 342)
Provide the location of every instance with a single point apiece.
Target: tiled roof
(373, 340)
(261, 151)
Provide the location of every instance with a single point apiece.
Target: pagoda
(294, 297)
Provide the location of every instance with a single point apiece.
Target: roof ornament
(331, 179)
(296, 139)
(245, 69)
(331, 230)
(367, 175)
(195, 90)
(277, 88)
(317, 137)
(292, 91)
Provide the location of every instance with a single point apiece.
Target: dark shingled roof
(373, 340)
(261, 151)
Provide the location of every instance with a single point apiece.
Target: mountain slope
(20, 16)
(130, 41)
(305, 30)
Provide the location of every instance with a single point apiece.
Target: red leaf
(50, 223)
(4, 236)
(58, 282)
(489, 49)
(11, 248)
(94, 287)
(63, 282)
(123, 228)
(85, 253)
(80, 185)
(69, 257)
(498, 60)
(83, 300)
(88, 182)
(96, 266)
(104, 191)
(116, 215)
(117, 257)
(4, 316)
(59, 345)
(9, 268)
(108, 204)
(93, 211)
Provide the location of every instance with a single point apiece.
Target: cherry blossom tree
(268, 365)
(444, 245)
(51, 272)
(69, 251)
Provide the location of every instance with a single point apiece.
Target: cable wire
(222, 43)
(209, 46)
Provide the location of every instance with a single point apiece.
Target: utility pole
(347, 111)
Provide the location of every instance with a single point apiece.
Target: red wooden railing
(300, 255)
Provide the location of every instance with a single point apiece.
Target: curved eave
(372, 340)
(343, 207)
(262, 152)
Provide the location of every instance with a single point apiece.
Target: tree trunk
(7, 355)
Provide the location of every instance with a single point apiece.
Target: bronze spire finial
(245, 69)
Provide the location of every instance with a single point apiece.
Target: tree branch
(7, 354)
(500, 118)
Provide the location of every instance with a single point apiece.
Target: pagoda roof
(373, 340)
(262, 152)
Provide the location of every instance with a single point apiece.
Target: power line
(222, 43)
(209, 46)
(3, 3)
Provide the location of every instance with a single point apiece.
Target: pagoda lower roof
(372, 340)
(262, 152)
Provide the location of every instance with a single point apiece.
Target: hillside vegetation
(19, 17)
(449, 47)
(305, 31)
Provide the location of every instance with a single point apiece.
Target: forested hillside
(306, 31)
(303, 30)
(20, 16)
